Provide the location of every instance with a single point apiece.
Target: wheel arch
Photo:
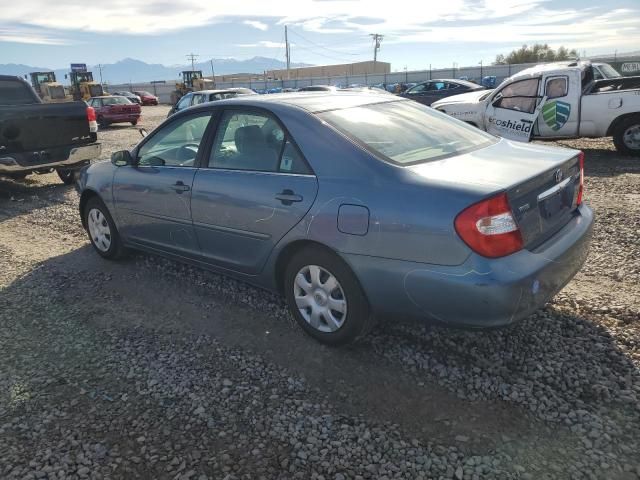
(86, 195)
(618, 120)
(291, 249)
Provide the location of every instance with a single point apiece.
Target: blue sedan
(352, 206)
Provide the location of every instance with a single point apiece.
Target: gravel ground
(150, 369)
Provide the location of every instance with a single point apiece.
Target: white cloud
(262, 44)
(31, 36)
(256, 24)
(471, 21)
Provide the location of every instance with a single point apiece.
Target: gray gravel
(90, 388)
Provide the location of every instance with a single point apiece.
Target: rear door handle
(287, 197)
(180, 187)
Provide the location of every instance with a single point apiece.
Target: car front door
(254, 188)
(419, 93)
(153, 196)
(512, 111)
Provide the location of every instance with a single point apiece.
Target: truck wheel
(325, 297)
(101, 229)
(17, 176)
(626, 137)
(67, 176)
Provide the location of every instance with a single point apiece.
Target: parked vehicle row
(350, 205)
(555, 101)
(41, 137)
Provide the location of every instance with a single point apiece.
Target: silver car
(352, 206)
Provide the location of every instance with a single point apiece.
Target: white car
(555, 101)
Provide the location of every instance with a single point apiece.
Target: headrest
(248, 138)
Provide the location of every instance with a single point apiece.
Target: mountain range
(130, 70)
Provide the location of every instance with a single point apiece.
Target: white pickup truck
(555, 101)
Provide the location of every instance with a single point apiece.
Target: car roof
(313, 102)
(223, 90)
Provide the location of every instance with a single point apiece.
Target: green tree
(534, 54)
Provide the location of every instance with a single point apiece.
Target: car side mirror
(496, 100)
(143, 132)
(121, 158)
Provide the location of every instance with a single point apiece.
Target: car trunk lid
(541, 182)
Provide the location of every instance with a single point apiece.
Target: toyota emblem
(558, 176)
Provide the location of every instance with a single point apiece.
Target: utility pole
(287, 51)
(377, 38)
(213, 73)
(100, 68)
(192, 57)
(480, 72)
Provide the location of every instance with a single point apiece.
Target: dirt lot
(145, 368)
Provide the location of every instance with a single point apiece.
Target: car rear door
(153, 197)
(254, 187)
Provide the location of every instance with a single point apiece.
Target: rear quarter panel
(599, 110)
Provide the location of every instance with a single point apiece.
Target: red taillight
(91, 114)
(488, 227)
(581, 187)
(91, 118)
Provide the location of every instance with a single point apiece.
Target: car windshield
(406, 132)
(609, 71)
(115, 101)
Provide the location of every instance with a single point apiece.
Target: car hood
(494, 168)
(470, 97)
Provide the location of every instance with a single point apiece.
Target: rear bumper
(64, 157)
(125, 117)
(481, 292)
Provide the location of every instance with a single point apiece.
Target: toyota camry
(352, 206)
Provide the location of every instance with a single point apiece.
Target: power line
(322, 46)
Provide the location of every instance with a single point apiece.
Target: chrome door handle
(287, 197)
(180, 187)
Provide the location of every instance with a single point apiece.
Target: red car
(147, 98)
(113, 109)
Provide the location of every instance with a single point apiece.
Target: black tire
(102, 123)
(618, 135)
(68, 177)
(357, 322)
(116, 249)
(134, 123)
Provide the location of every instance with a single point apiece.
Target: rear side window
(556, 87)
(406, 132)
(254, 141)
(115, 101)
(15, 92)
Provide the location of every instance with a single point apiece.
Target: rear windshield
(406, 132)
(115, 101)
(15, 92)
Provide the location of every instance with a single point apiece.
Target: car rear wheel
(134, 123)
(626, 137)
(325, 297)
(67, 176)
(101, 229)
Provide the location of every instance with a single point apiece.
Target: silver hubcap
(320, 298)
(99, 230)
(631, 137)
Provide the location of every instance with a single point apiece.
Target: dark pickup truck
(41, 137)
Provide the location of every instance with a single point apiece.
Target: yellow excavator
(49, 90)
(83, 87)
(192, 81)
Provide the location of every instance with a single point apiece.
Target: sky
(417, 34)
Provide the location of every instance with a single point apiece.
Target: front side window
(176, 144)
(406, 132)
(184, 102)
(116, 101)
(520, 96)
(556, 87)
(417, 89)
(197, 99)
(254, 141)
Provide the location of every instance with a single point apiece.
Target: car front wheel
(101, 229)
(325, 297)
